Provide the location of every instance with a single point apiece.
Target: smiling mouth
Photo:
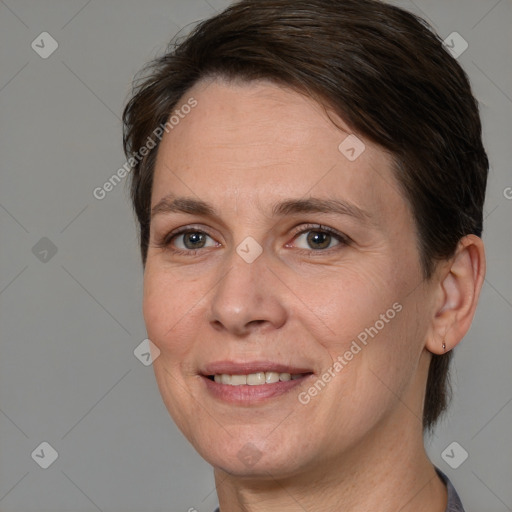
(255, 379)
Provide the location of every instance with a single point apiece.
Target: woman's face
(282, 250)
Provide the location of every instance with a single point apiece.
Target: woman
(309, 179)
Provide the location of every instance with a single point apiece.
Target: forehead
(262, 141)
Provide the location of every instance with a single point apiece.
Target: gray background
(70, 321)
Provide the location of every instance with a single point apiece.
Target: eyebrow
(172, 204)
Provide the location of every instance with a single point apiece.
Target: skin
(357, 444)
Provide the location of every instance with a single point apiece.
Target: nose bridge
(245, 293)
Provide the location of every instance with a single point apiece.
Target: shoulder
(454, 503)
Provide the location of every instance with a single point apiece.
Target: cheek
(165, 306)
(372, 329)
(351, 304)
(391, 356)
(153, 306)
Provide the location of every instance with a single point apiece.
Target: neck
(388, 470)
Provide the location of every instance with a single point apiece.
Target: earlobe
(460, 289)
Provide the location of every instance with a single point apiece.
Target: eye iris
(316, 237)
(195, 239)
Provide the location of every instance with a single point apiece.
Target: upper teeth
(255, 379)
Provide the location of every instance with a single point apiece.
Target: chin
(250, 453)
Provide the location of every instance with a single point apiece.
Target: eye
(192, 240)
(186, 241)
(319, 238)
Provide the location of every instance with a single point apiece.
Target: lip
(246, 395)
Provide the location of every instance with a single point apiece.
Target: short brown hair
(387, 75)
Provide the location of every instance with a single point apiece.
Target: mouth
(251, 383)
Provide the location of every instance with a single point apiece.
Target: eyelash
(165, 242)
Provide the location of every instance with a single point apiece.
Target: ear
(458, 290)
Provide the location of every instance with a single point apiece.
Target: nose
(248, 298)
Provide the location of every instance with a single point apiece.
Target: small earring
(444, 345)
